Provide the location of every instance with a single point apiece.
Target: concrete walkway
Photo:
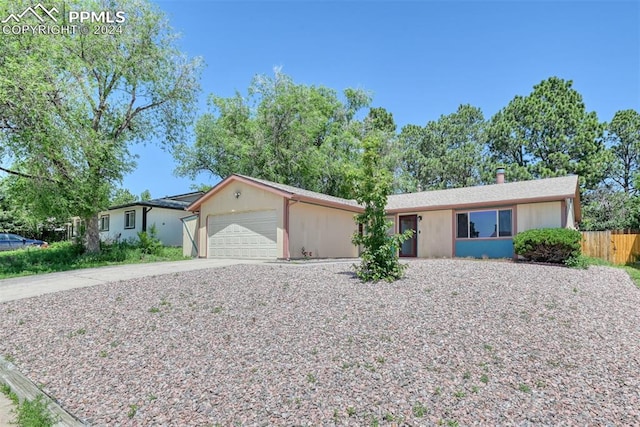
(32, 286)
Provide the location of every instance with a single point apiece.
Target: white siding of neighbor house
(323, 231)
(116, 225)
(251, 199)
(435, 234)
(539, 215)
(167, 221)
(168, 225)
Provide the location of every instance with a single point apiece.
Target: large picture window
(484, 224)
(130, 219)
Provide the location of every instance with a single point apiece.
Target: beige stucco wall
(570, 221)
(190, 236)
(435, 237)
(539, 215)
(251, 199)
(323, 231)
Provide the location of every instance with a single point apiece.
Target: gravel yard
(456, 342)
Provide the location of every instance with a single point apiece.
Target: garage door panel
(243, 235)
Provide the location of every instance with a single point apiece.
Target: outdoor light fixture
(237, 194)
(419, 217)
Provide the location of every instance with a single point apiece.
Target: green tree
(145, 195)
(606, 208)
(549, 133)
(16, 218)
(380, 249)
(13, 217)
(624, 137)
(447, 153)
(281, 131)
(72, 105)
(122, 196)
(380, 122)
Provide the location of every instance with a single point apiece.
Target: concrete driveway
(31, 286)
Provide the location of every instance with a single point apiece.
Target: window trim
(133, 221)
(496, 210)
(102, 218)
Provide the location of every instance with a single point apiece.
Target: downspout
(144, 217)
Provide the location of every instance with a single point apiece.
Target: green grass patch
(64, 256)
(634, 273)
(29, 413)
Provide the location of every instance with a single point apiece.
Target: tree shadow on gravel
(351, 274)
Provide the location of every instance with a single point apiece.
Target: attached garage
(244, 217)
(243, 235)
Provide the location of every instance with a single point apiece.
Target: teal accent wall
(498, 248)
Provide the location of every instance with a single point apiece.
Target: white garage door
(243, 235)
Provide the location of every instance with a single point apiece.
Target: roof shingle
(521, 191)
(301, 192)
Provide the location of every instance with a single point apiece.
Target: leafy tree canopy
(447, 153)
(122, 196)
(608, 209)
(71, 105)
(549, 133)
(624, 137)
(281, 131)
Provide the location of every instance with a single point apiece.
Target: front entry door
(409, 247)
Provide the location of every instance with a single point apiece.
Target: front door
(409, 247)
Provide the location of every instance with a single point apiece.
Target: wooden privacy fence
(618, 247)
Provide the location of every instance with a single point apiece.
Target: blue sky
(420, 59)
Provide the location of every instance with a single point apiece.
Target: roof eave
(144, 204)
(327, 203)
(505, 202)
(228, 180)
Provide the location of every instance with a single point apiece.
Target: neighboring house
(244, 217)
(123, 222)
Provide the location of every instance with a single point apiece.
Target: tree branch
(25, 175)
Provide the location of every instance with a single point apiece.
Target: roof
(539, 190)
(168, 202)
(301, 192)
(287, 191)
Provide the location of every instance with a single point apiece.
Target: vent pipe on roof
(500, 176)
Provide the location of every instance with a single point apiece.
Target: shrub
(379, 249)
(579, 261)
(149, 243)
(556, 245)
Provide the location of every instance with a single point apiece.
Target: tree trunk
(92, 236)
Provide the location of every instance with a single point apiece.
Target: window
(484, 224)
(104, 223)
(504, 223)
(130, 219)
(463, 226)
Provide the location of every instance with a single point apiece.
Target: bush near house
(556, 245)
